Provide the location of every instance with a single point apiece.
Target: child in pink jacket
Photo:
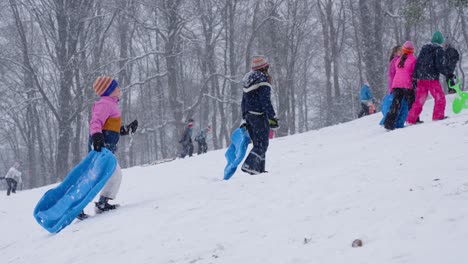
(402, 83)
(105, 130)
(396, 53)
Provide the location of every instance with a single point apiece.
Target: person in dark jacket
(365, 96)
(258, 113)
(429, 66)
(186, 140)
(201, 140)
(451, 58)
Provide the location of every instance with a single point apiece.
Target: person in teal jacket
(365, 97)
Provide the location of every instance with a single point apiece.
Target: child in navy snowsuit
(258, 113)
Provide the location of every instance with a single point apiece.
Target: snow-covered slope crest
(403, 193)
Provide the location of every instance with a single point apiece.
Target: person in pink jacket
(402, 83)
(396, 53)
(105, 130)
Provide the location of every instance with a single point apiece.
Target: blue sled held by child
(236, 152)
(62, 204)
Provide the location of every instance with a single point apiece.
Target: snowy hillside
(403, 193)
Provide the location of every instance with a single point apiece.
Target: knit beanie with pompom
(408, 47)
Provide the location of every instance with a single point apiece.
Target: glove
(98, 141)
(273, 123)
(451, 82)
(132, 127)
(243, 124)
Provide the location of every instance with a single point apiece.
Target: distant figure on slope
(429, 66)
(13, 178)
(258, 113)
(365, 96)
(105, 130)
(402, 83)
(451, 58)
(201, 140)
(186, 140)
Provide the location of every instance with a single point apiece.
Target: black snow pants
(11, 185)
(398, 95)
(364, 110)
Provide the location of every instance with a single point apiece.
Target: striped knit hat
(105, 85)
(258, 62)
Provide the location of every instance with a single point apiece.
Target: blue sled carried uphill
(62, 204)
(236, 152)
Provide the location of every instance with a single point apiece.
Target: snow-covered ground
(403, 193)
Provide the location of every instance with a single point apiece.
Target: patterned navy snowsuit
(257, 110)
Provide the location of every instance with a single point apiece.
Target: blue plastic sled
(236, 152)
(402, 114)
(60, 206)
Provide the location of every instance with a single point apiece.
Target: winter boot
(246, 168)
(103, 205)
(82, 216)
(443, 118)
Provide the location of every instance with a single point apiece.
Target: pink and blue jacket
(404, 76)
(106, 118)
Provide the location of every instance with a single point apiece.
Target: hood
(431, 47)
(254, 77)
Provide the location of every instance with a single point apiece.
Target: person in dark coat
(258, 113)
(429, 66)
(451, 58)
(186, 140)
(201, 140)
